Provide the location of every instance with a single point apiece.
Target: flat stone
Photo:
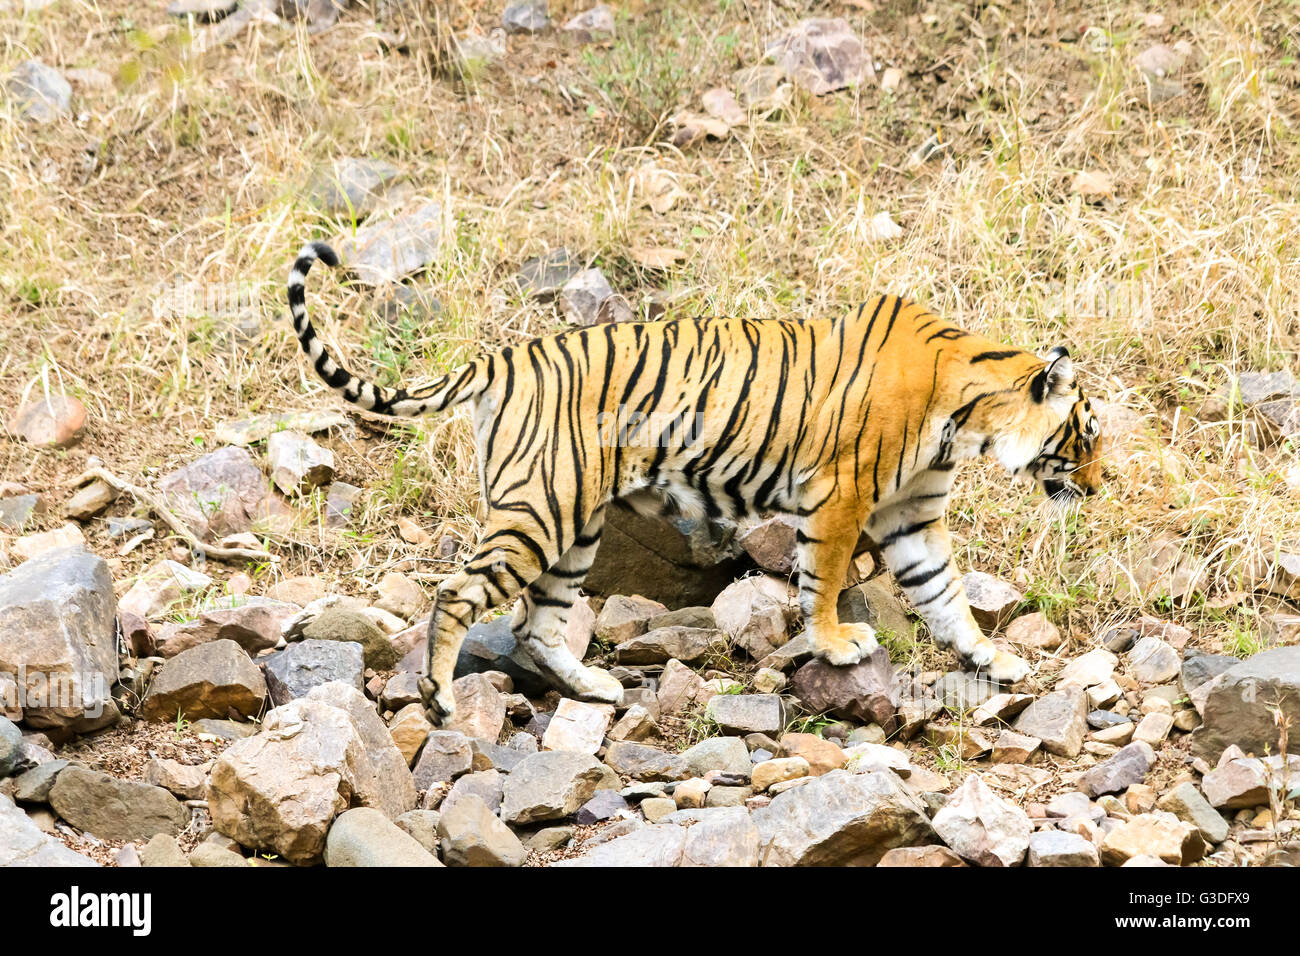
(726, 837)
(544, 276)
(921, 856)
(363, 836)
(727, 754)
(822, 755)
(551, 785)
(114, 809)
(1153, 729)
(1011, 747)
(184, 780)
(1158, 834)
(588, 299)
(1187, 803)
(748, 713)
(671, 643)
(577, 726)
(1088, 669)
(1128, 767)
(527, 16)
(652, 846)
(1057, 848)
(645, 763)
(592, 25)
(1059, 720)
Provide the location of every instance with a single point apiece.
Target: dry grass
(188, 166)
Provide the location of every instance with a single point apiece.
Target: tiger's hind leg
(507, 561)
(543, 611)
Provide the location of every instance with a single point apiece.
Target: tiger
(845, 426)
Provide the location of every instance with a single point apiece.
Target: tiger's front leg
(826, 543)
(918, 551)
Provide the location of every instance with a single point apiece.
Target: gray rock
(1101, 719)
(446, 756)
(40, 92)
(874, 602)
(34, 785)
(641, 762)
(384, 251)
(298, 465)
(1152, 661)
(605, 805)
(821, 55)
(423, 826)
(17, 510)
(217, 494)
(748, 713)
(1200, 668)
(552, 784)
(653, 846)
(294, 671)
(57, 619)
(864, 692)
(1129, 766)
(363, 836)
(1187, 804)
(717, 753)
(587, 299)
(668, 643)
(544, 276)
(1059, 720)
(528, 16)
(113, 809)
(484, 786)
(472, 835)
(1058, 848)
(11, 747)
(841, 819)
(1239, 709)
(491, 646)
(210, 680)
(393, 781)
(724, 836)
(351, 186)
(592, 25)
(341, 624)
(959, 691)
(24, 844)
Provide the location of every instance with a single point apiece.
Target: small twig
(175, 523)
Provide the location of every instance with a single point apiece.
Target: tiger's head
(1060, 446)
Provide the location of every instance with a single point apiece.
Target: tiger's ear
(1057, 377)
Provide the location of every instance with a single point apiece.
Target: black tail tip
(325, 254)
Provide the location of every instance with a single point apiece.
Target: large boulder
(114, 809)
(363, 836)
(1239, 708)
(280, 790)
(23, 844)
(395, 783)
(210, 680)
(679, 562)
(57, 631)
(841, 819)
(552, 784)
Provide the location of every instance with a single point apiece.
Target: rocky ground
(215, 582)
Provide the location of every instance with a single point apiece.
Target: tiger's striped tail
(460, 385)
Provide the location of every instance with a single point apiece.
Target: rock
(604, 805)
(1000, 708)
(363, 836)
(654, 846)
(341, 624)
(298, 465)
(42, 95)
(771, 543)
(446, 756)
(1237, 782)
(748, 713)
(1057, 848)
(821, 55)
(261, 427)
(1158, 834)
(1128, 767)
(727, 754)
(754, 613)
(840, 819)
(761, 89)
(472, 835)
(544, 276)
(480, 710)
(392, 779)
(1152, 661)
(89, 500)
(210, 680)
(863, 692)
(1034, 630)
(1011, 747)
(720, 103)
(667, 643)
(163, 850)
(185, 781)
(592, 25)
(350, 187)
(33, 545)
(921, 856)
(1187, 804)
(577, 727)
(526, 16)
(768, 681)
(33, 785)
(491, 646)
(588, 299)
(393, 243)
(253, 623)
(636, 724)
(680, 688)
(874, 602)
(113, 809)
(57, 628)
(1153, 729)
(280, 790)
(982, 827)
(991, 601)
(211, 855)
(960, 692)
(399, 595)
(680, 562)
(11, 747)
(725, 837)
(23, 844)
(645, 763)
(1239, 707)
(552, 784)
(423, 826)
(691, 794)
(1088, 670)
(821, 755)
(217, 494)
(293, 672)
(778, 770)
(1059, 720)
(1198, 669)
(17, 511)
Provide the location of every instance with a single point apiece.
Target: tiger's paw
(1007, 668)
(439, 704)
(594, 684)
(847, 644)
